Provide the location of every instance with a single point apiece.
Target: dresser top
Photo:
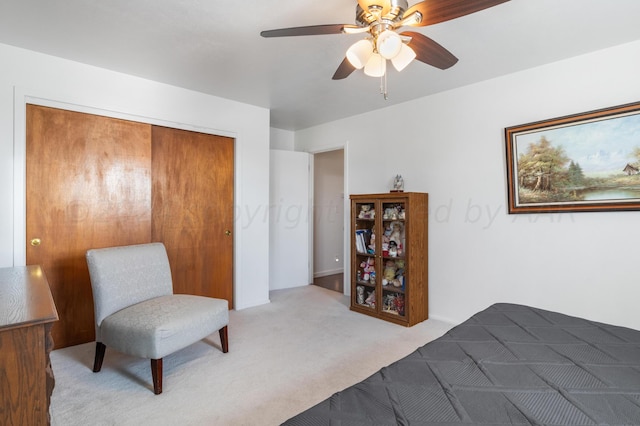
(25, 297)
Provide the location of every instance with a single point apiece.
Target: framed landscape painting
(583, 162)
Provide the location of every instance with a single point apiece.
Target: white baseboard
(326, 273)
(449, 321)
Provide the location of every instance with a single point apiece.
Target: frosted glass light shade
(404, 58)
(389, 44)
(359, 53)
(376, 66)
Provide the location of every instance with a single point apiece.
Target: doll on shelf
(390, 303)
(371, 248)
(390, 213)
(393, 249)
(371, 299)
(367, 212)
(396, 232)
(400, 304)
(389, 273)
(368, 269)
(360, 294)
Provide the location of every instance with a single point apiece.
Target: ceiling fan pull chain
(383, 86)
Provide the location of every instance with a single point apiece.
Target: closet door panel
(88, 185)
(193, 209)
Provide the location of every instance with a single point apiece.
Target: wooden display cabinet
(389, 256)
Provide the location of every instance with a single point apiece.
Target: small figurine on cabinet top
(398, 184)
(367, 212)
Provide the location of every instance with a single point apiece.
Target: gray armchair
(137, 313)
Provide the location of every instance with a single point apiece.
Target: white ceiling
(215, 47)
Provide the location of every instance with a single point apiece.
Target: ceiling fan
(382, 20)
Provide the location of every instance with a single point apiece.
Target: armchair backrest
(126, 275)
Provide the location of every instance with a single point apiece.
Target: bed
(509, 364)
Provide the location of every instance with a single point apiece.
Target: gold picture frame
(577, 163)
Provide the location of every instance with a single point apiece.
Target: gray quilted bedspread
(507, 365)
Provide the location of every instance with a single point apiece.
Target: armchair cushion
(160, 326)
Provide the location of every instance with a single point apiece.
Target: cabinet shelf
(393, 257)
(389, 256)
(393, 289)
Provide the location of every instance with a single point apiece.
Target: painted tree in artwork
(542, 166)
(576, 176)
(636, 154)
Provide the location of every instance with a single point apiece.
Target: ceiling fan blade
(310, 30)
(429, 51)
(344, 70)
(436, 11)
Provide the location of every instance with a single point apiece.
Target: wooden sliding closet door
(95, 181)
(193, 209)
(88, 182)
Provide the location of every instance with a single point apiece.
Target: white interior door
(289, 219)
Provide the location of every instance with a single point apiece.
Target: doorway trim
(346, 207)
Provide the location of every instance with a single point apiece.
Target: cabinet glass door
(393, 258)
(365, 248)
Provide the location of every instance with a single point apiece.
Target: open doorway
(328, 220)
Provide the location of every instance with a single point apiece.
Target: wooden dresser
(27, 313)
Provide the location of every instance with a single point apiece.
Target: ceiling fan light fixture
(404, 58)
(359, 53)
(389, 44)
(376, 66)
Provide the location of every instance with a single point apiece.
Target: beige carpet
(283, 358)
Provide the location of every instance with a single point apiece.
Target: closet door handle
(227, 233)
(35, 242)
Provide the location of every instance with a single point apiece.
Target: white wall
(452, 146)
(328, 213)
(281, 139)
(29, 76)
(290, 229)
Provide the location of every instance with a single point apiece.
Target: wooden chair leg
(156, 374)
(97, 362)
(224, 339)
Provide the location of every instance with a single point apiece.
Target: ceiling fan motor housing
(389, 13)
